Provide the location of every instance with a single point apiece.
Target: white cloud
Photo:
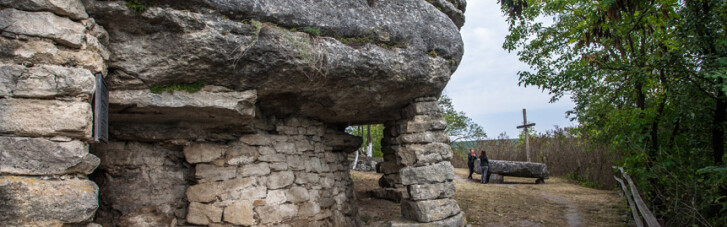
(486, 82)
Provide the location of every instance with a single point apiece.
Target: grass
(189, 87)
(136, 6)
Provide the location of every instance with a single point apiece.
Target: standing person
(471, 157)
(485, 164)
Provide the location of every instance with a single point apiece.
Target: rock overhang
(361, 63)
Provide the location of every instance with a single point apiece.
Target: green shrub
(312, 30)
(189, 87)
(432, 53)
(136, 5)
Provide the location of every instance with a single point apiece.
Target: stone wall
(49, 53)
(417, 169)
(295, 174)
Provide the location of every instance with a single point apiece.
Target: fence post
(642, 208)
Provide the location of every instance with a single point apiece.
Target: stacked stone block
(296, 175)
(49, 53)
(417, 165)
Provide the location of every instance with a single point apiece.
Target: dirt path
(518, 202)
(571, 213)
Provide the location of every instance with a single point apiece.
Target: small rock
(258, 169)
(274, 214)
(203, 214)
(240, 213)
(280, 179)
(203, 152)
(297, 194)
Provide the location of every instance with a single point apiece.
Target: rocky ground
(518, 202)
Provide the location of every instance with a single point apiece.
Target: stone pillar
(50, 51)
(419, 165)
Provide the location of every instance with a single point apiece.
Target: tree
(648, 79)
(459, 126)
(372, 135)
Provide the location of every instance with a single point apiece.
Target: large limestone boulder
(515, 169)
(360, 61)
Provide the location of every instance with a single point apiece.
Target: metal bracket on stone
(101, 111)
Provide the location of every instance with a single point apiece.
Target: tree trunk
(369, 143)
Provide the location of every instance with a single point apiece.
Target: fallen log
(515, 169)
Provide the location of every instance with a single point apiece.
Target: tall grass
(564, 152)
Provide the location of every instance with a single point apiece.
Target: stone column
(420, 165)
(49, 53)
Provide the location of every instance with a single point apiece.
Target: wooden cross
(525, 127)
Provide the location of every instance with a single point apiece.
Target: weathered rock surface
(43, 81)
(71, 8)
(216, 42)
(240, 213)
(515, 169)
(38, 156)
(457, 220)
(31, 201)
(44, 25)
(432, 191)
(135, 177)
(429, 210)
(436, 173)
(14, 51)
(228, 107)
(31, 117)
(203, 214)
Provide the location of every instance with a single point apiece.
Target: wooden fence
(636, 203)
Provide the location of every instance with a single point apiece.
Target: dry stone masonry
(416, 166)
(223, 113)
(49, 53)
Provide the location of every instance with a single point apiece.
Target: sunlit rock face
(222, 112)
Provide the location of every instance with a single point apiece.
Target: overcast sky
(485, 86)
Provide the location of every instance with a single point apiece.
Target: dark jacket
(484, 161)
(471, 160)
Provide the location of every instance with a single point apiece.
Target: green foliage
(648, 79)
(432, 53)
(369, 38)
(136, 5)
(312, 31)
(581, 180)
(459, 126)
(189, 87)
(377, 133)
(258, 25)
(365, 219)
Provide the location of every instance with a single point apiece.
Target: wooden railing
(636, 203)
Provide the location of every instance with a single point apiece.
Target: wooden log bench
(498, 169)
